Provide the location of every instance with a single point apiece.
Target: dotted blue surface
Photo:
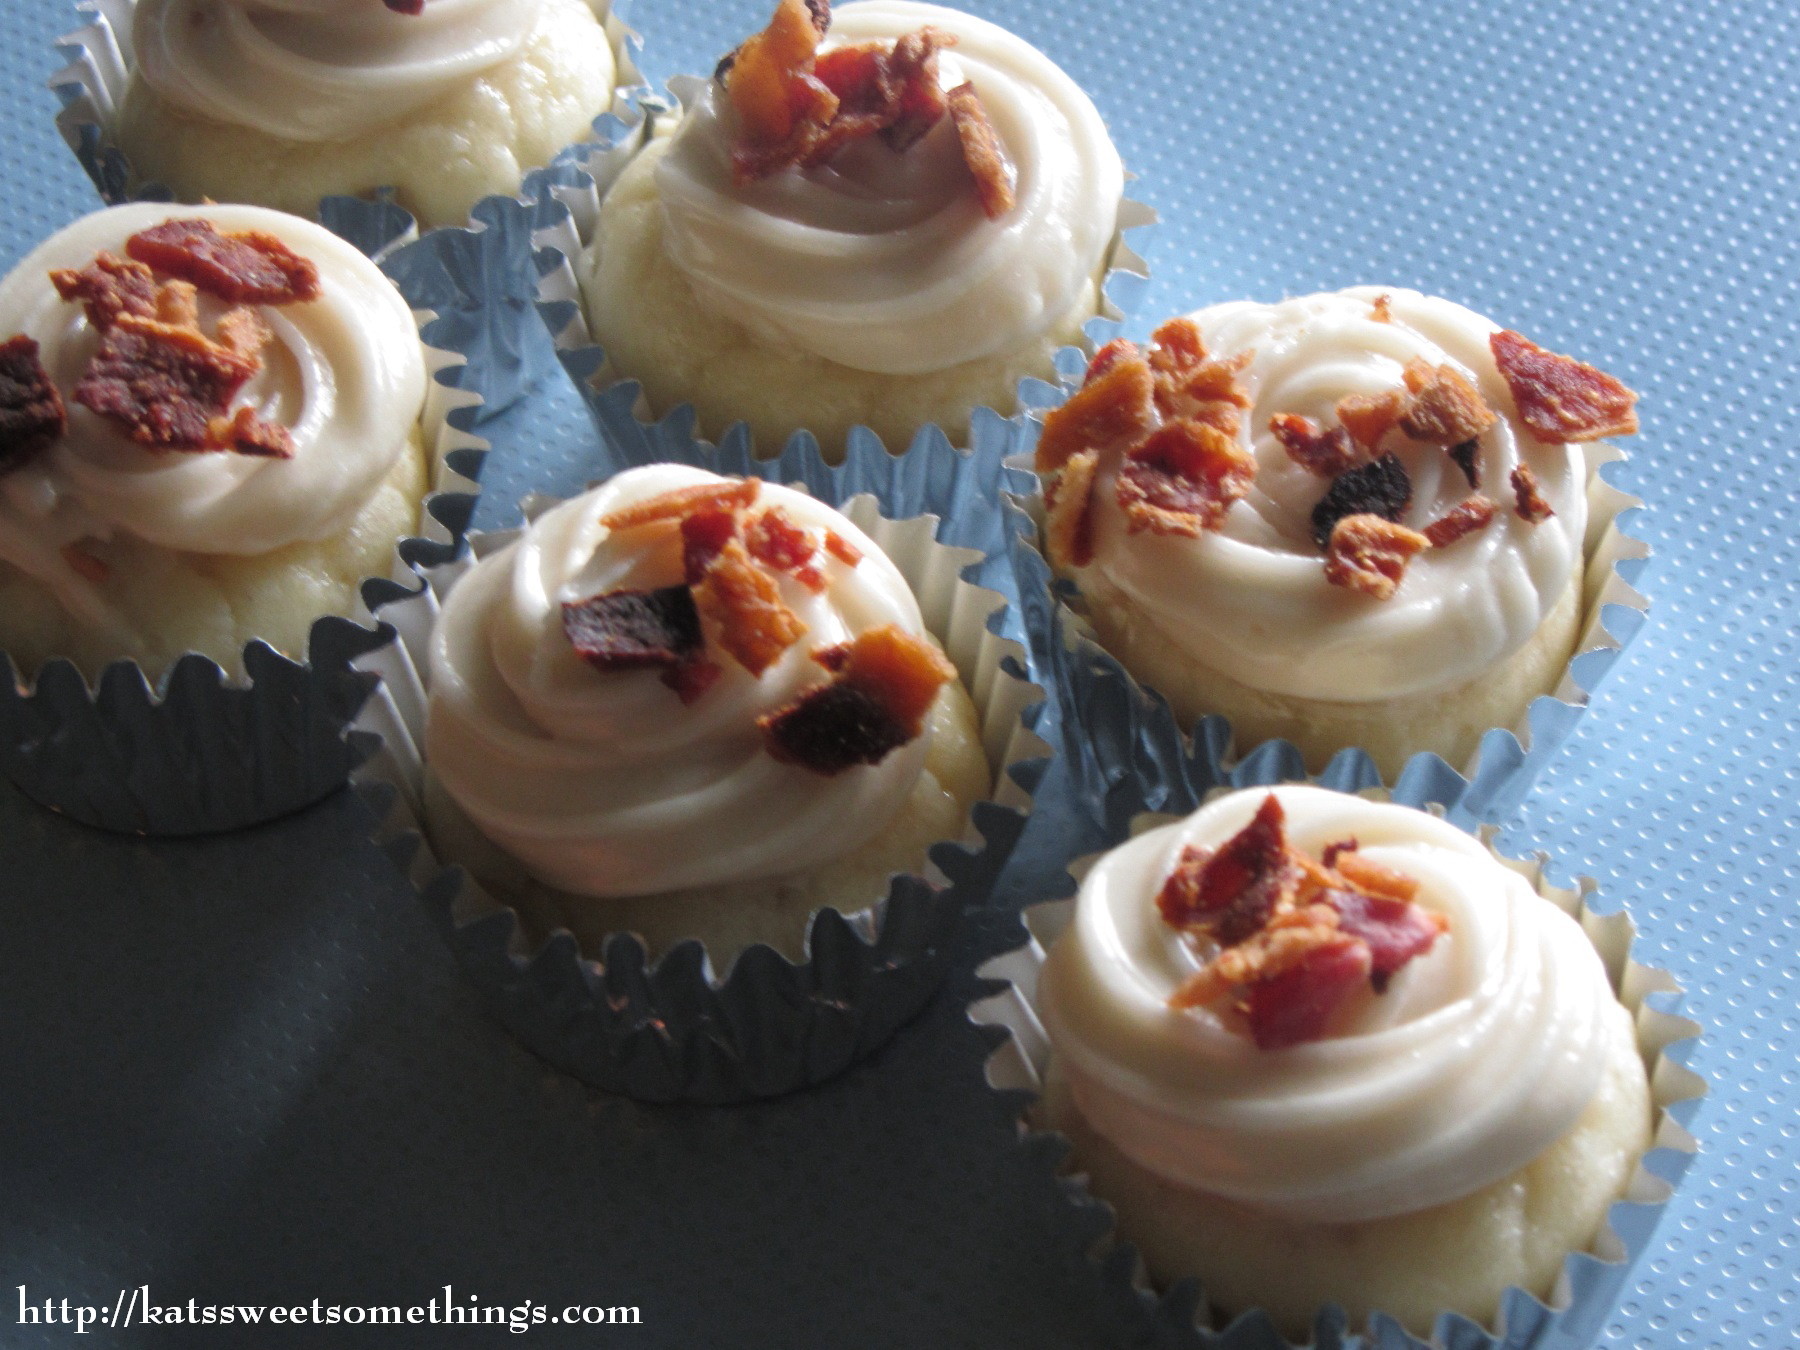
(245, 1070)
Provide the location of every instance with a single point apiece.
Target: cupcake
(886, 214)
(283, 102)
(1350, 519)
(1315, 1048)
(688, 706)
(210, 435)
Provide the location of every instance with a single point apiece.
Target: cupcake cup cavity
(561, 306)
(680, 1028)
(195, 752)
(100, 59)
(1173, 777)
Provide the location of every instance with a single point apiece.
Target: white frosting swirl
(345, 374)
(320, 70)
(1251, 600)
(883, 261)
(601, 782)
(1479, 1056)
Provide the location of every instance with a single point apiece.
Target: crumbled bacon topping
(1466, 517)
(883, 684)
(1290, 941)
(842, 549)
(754, 623)
(1068, 514)
(1369, 417)
(1445, 408)
(165, 385)
(1183, 479)
(1326, 453)
(32, 416)
(1110, 412)
(244, 267)
(982, 151)
(796, 105)
(680, 503)
(1191, 385)
(633, 629)
(1528, 501)
(1369, 554)
(108, 287)
(1381, 487)
(1560, 399)
(779, 544)
(1382, 311)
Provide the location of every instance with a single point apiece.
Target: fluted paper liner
(679, 1028)
(618, 402)
(197, 751)
(1173, 780)
(1508, 759)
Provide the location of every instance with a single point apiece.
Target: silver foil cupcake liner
(1172, 778)
(99, 60)
(677, 1029)
(568, 233)
(1508, 759)
(197, 752)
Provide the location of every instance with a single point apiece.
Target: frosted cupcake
(885, 214)
(1314, 1048)
(210, 434)
(689, 706)
(282, 102)
(1354, 518)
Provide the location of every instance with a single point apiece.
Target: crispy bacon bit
(1445, 409)
(244, 267)
(1183, 480)
(1467, 458)
(842, 549)
(882, 686)
(1192, 386)
(632, 630)
(178, 305)
(1368, 417)
(1068, 521)
(243, 331)
(680, 503)
(913, 68)
(1560, 399)
(703, 535)
(1378, 488)
(85, 565)
(1114, 410)
(982, 151)
(776, 542)
(1232, 891)
(165, 385)
(32, 415)
(108, 287)
(249, 434)
(1382, 311)
(890, 91)
(1326, 453)
(754, 624)
(782, 108)
(1295, 938)
(1369, 554)
(1119, 349)
(1177, 348)
(1528, 501)
(692, 678)
(1464, 518)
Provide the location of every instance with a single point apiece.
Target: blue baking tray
(244, 1071)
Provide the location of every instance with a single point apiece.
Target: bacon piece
(32, 415)
(754, 624)
(1326, 453)
(1373, 878)
(1177, 349)
(244, 267)
(178, 305)
(1233, 890)
(692, 678)
(776, 542)
(1464, 518)
(246, 433)
(1445, 409)
(1285, 941)
(1183, 480)
(920, 102)
(982, 151)
(1368, 417)
(164, 385)
(1394, 930)
(1332, 852)
(1369, 554)
(1560, 399)
(1528, 501)
(893, 91)
(634, 629)
(782, 107)
(1297, 1005)
(108, 287)
(883, 685)
(842, 549)
(1192, 386)
(1112, 411)
(679, 503)
(1466, 458)
(1068, 519)
(243, 331)
(1381, 487)
(1119, 349)
(1382, 310)
(703, 535)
